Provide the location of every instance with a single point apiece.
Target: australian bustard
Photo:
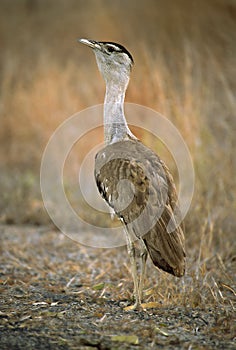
(131, 177)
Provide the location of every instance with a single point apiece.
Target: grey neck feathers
(115, 125)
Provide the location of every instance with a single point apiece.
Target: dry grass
(184, 53)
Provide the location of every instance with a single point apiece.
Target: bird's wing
(127, 180)
(165, 240)
(138, 186)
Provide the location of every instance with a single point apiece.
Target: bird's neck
(115, 125)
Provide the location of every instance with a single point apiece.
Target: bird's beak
(91, 43)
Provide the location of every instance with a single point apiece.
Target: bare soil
(56, 294)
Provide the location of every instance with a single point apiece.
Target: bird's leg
(131, 252)
(143, 267)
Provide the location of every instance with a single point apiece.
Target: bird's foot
(134, 307)
(142, 306)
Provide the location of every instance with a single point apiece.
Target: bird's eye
(110, 49)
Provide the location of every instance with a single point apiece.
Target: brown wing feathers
(148, 180)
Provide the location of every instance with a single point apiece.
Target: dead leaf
(99, 286)
(131, 339)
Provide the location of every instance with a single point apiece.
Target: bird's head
(114, 61)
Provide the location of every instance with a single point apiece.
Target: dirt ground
(56, 294)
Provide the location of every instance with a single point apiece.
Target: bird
(133, 180)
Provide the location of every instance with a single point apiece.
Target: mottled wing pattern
(136, 183)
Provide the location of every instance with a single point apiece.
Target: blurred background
(184, 53)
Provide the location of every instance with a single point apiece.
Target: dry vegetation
(184, 55)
